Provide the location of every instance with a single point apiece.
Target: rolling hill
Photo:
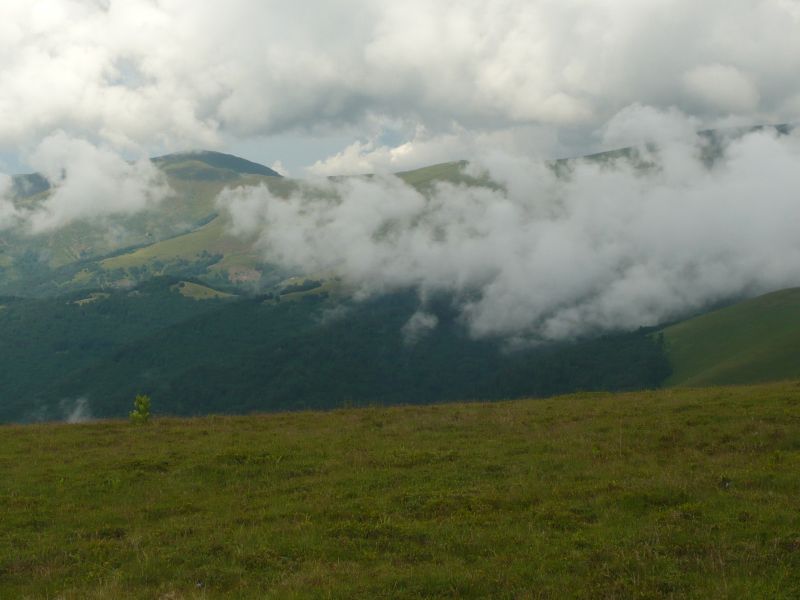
(749, 342)
(184, 236)
(80, 255)
(205, 164)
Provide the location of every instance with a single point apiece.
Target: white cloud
(419, 325)
(637, 124)
(448, 78)
(77, 411)
(87, 182)
(424, 148)
(164, 75)
(551, 258)
(723, 87)
(278, 167)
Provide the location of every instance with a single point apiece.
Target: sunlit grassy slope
(756, 340)
(196, 291)
(671, 494)
(211, 238)
(236, 252)
(72, 256)
(452, 172)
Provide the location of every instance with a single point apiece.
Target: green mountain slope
(71, 257)
(213, 165)
(184, 236)
(752, 341)
(658, 495)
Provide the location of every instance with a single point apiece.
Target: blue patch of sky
(11, 164)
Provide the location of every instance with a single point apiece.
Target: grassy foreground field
(670, 494)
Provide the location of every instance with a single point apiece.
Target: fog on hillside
(554, 253)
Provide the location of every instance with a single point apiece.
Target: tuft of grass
(685, 493)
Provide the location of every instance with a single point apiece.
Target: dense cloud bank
(544, 256)
(171, 74)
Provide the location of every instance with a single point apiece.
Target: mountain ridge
(218, 160)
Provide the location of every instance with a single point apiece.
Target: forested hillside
(263, 353)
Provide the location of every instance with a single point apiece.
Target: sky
(345, 86)
(91, 88)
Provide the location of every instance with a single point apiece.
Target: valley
(180, 307)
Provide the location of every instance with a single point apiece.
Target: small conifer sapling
(141, 409)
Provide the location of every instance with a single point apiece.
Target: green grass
(68, 258)
(753, 341)
(196, 291)
(211, 238)
(670, 494)
(450, 171)
(238, 261)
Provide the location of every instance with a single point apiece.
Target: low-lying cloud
(604, 245)
(88, 182)
(76, 411)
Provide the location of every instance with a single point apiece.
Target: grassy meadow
(682, 493)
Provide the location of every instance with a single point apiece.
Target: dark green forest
(259, 354)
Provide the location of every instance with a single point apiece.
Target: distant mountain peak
(217, 160)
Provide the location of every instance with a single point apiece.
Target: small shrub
(141, 409)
